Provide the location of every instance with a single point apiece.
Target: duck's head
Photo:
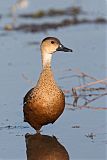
(49, 46)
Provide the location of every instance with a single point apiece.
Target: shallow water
(20, 66)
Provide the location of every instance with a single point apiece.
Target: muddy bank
(72, 14)
(71, 11)
(46, 26)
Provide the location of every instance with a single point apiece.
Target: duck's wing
(27, 96)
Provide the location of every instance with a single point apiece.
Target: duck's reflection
(44, 147)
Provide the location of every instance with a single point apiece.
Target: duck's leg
(38, 131)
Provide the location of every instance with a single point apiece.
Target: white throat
(46, 59)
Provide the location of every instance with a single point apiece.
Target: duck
(45, 102)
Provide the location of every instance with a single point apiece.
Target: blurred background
(80, 25)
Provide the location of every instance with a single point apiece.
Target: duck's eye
(52, 42)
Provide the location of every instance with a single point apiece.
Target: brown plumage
(44, 103)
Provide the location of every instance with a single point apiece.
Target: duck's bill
(62, 48)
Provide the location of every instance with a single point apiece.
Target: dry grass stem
(82, 74)
(89, 84)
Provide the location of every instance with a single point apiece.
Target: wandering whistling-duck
(44, 103)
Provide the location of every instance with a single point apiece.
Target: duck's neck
(46, 60)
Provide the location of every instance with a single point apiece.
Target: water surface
(19, 60)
